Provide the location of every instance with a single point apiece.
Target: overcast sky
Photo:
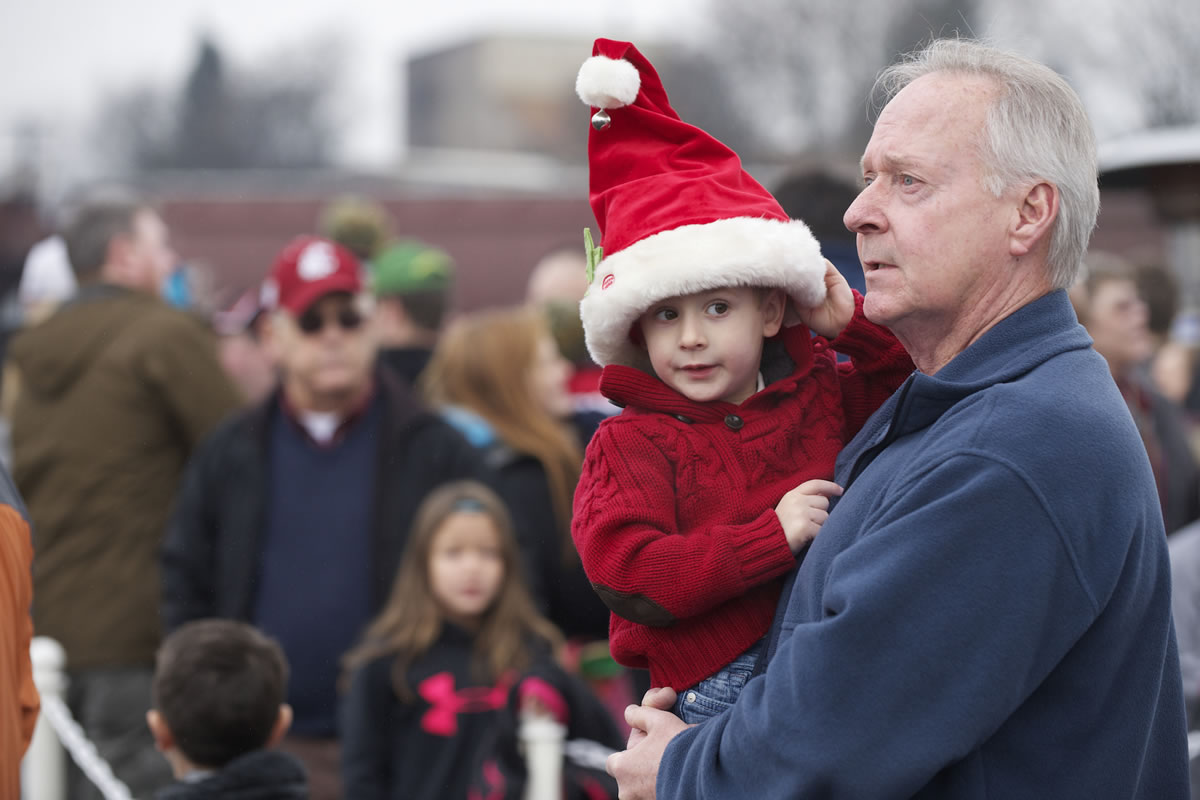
(58, 58)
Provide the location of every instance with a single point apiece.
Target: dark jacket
(117, 389)
(457, 738)
(260, 775)
(558, 582)
(407, 362)
(986, 611)
(211, 554)
(591, 734)
(423, 749)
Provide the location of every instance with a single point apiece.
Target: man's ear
(282, 723)
(1034, 218)
(164, 740)
(774, 304)
(116, 255)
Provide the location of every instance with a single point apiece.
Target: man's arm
(184, 369)
(937, 624)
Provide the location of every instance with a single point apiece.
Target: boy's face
(707, 346)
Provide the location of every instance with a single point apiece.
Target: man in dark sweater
(293, 515)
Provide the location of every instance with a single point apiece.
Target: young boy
(699, 497)
(218, 708)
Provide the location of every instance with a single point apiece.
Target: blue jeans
(719, 691)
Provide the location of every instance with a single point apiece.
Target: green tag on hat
(594, 254)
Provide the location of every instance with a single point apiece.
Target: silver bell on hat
(601, 120)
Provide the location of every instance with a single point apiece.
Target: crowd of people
(794, 528)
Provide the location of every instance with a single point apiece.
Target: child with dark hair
(718, 323)
(218, 709)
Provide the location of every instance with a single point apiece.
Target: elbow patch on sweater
(635, 607)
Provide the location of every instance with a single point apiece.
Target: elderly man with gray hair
(986, 612)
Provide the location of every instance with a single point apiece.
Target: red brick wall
(495, 241)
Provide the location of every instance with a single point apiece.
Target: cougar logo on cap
(317, 261)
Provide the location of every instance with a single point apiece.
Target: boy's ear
(773, 307)
(163, 738)
(282, 723)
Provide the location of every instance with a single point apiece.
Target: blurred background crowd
(293, 317)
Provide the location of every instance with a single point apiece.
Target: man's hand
(636, 769)
(831, 317)
(663, 698)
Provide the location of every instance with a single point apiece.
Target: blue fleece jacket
(985, 614)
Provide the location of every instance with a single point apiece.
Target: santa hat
(678, 213)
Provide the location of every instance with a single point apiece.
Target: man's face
(1116, 319)
(931, 237)
(328, 349)
(149, 258)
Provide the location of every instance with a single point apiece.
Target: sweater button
(734, 422)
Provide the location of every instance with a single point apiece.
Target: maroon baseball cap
(308, 269)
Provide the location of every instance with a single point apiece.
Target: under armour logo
(442, 718)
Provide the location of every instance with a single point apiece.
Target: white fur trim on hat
(739, 251)
(606, 82)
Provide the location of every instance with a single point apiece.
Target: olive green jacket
(116, 389)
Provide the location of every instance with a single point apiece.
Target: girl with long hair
(428, 681)
(498, 376)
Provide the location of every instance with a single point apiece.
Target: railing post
(542, 738)
(43, 770)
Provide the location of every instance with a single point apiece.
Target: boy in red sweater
(698, 497)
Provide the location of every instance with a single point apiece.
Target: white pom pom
(606, 82)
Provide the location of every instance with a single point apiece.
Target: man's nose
(865, 215)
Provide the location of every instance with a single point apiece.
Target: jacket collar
(1019, 343)
(401, 407)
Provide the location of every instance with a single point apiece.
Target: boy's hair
(219, 685)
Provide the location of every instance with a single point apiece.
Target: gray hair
(1036, 130)
(93, 225)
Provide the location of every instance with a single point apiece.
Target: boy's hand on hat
(803, 511)
(832, 316)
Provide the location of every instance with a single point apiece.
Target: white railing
(542, 739)
(44, 775)
(43, 770)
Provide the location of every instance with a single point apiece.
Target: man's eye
(908, 180)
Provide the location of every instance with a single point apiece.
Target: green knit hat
(407, 266)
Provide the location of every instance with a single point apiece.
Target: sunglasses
(312, 322)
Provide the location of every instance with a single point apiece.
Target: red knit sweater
(675, 511)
